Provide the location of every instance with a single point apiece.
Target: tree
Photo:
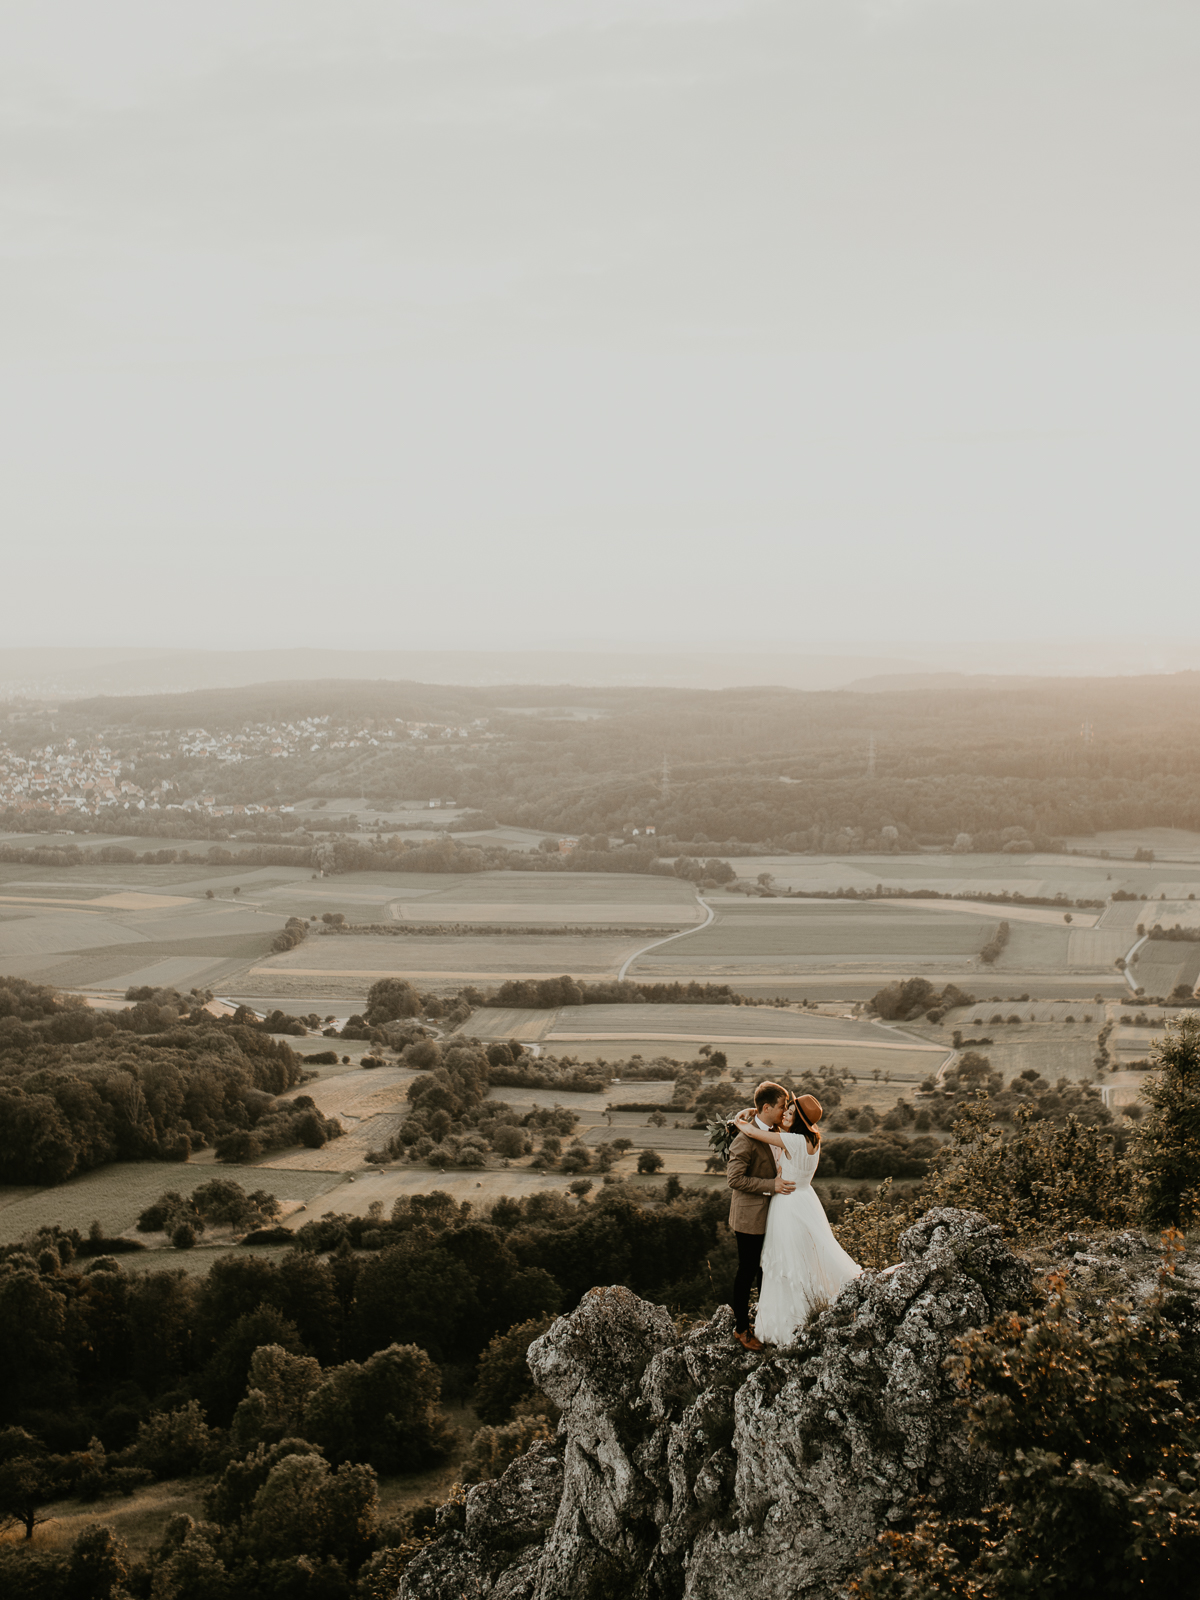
(192, 1570)
(174, 1443)
(304, 1506)
(649, 1161)
(384, 1411)
(413, 1294)
(504, 1379)
(974, 1068)
(390, 999)
(1166, 1148)
(37, 1145)
(26, 1478)
(578, 1157)
(279, 1387)
(99, 1563)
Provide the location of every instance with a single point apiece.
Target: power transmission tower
(871, 757)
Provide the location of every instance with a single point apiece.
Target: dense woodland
(977, 765)
(80, 1088)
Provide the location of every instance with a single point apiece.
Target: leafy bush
(1166, 1149)
(1096, 1426)
(494, 1449)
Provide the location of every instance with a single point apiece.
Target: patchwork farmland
(105, 927)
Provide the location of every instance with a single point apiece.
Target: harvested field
(717, 1023)
(116, 968)
(353, 1196)
(1053, 1057)
(370, 1103)
(499, 1023)
(115, 1196)
(1172, 843)
(360, 960)
(1015, 913)
(1161, 963)
(1123, 914)
(1078, 877)
(506, 912)
(638, 896)
(1031, 947)
(1098, 948)
(819, 933)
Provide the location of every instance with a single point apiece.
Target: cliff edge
(687, 1469)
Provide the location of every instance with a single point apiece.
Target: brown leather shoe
(748, 1341)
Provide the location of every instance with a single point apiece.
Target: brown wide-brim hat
(810, 1108)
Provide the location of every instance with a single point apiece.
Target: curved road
(671, 937)
(1129, 955)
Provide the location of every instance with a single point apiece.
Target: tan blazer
(751, 1174)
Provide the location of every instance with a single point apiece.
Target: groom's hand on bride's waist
(783, 1186)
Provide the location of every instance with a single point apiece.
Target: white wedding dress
(802, 1262)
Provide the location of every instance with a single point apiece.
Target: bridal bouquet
(721, 1135)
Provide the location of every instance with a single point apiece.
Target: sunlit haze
(581, 324)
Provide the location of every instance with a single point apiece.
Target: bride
(802, 1263)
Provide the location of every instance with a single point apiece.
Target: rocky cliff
(687, 1469)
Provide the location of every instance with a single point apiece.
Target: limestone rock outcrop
(688, 1469)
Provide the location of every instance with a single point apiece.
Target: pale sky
(474, 323)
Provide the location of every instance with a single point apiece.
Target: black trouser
(748, 1274)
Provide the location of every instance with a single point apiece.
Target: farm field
(1079, 877)
(1090, 949)
(779, 935)
(351, 963)
(712, 1023)
(115, 1196)
(109, 926)
(779, 1040)
(1171, 844)
(504, 897)
(1161, 964)
(804, 941)
(1033, 947)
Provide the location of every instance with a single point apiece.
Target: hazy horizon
(45, 672)
(730, 326)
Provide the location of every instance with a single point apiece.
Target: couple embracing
(779, 1223)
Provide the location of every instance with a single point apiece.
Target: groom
(752, 1175)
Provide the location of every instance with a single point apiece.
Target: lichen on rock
(688, 1469)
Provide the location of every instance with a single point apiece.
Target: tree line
(80, 1088)
(971, 767)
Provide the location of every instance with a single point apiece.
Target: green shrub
(494, 1449)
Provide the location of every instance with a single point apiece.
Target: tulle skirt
(803, 1265)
